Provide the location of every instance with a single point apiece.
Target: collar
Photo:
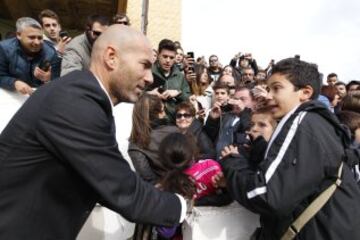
(104, 89)
(279, 127)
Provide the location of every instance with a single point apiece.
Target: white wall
(322, 32)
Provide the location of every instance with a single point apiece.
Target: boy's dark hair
(350, 119)
(351, 102)
(331, 75)
(49, 14)
(340, 83)
(166, 44)
(352, 82)
(103, 20)
(329, 92)
(300, 74)
(220, 85)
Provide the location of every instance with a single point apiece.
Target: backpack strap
(313, 208)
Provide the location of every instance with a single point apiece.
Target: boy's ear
(306, 93)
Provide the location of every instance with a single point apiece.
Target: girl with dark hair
(184, 176)
(149, 127)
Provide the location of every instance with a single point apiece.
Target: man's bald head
(122, 58)
(118, 36)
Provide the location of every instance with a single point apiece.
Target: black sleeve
(212, 127)
(206, 146)
(217, 200)
(142, 166)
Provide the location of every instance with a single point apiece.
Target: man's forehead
(32, 30)
(167, 52)
(49, 20)
(243, 92)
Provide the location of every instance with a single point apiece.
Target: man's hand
(23, 88)
(228, 150)
(43, 76)
(190, 76)
(237, 103)
(62, 44)
(155, 92)
(170, 94)
(215, 110)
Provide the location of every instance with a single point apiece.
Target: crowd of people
(275, 139)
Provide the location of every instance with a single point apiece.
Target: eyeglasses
(213, 60)
(122, 22)
(185, 115)
(231, 87)
(96, 33)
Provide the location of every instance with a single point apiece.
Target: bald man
(59, 155)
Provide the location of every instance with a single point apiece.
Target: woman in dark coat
(149, 128)
(187, 123)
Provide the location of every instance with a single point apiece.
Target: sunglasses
(96, 33)
(185, 115)
(122, 22)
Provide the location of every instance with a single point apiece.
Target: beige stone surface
(164, 19)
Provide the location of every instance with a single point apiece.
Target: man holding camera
(25, 61)
(230, 127)
(169, 83)
(51, 24)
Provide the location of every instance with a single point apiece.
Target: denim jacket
(16, 65)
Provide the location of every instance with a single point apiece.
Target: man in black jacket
(59, 155)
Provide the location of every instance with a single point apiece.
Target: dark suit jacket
(59, 156)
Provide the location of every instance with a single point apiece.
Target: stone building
(164, 16)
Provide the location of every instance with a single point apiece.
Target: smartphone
(44, 65)
(191, 55)
(161, 89)
(64, 34)
(191, 69)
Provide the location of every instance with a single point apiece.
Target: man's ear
(110, 58)
(18, 35)
(306, 93)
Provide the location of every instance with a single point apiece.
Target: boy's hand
(218, 180)
(215, 110)
(259, 92)
(228, 150)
